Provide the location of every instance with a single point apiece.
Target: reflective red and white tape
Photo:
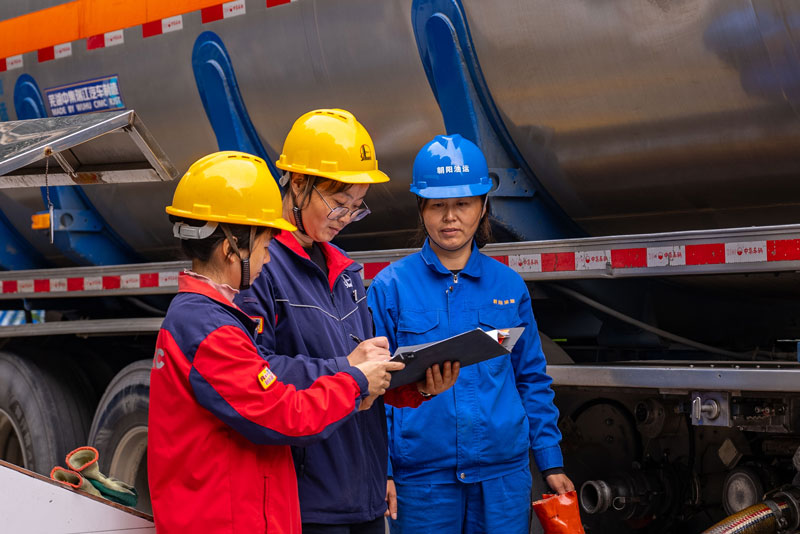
(89, 283)
(149, 29)
(54, 52)
(10, 63)
(104, 40)
(158, 27)
(222, 11)
(642, 258)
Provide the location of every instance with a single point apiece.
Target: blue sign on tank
(100, 94)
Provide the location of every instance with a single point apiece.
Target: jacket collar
(337, 262)
(472, 268)
(188, 284)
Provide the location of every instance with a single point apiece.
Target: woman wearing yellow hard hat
(220, 419)
(312, 303)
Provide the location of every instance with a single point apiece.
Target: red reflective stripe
(708, 254)
(558, 261)
(210, 14)
(111, 282)
(96, 41)
(9, 286)
(372, 269)
(152, 28)
(2, 64)
(627, 258)
(501, 259)
(148, 280)
(783, 250)
(74, 284)
(41, 286)
(46, 54)
(273, 3)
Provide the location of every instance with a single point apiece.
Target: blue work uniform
(472, 441)
(316, 318)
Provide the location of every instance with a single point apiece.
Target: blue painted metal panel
(15, 252)
(219, 91)
(90, 247)
(522, 207)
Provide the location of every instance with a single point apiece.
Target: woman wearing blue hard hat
(460, 462)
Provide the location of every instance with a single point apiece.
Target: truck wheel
(119, 429)
(44, 411)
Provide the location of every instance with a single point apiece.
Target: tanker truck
(646, 160)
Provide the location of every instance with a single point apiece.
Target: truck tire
(44, 410)
(119, 429)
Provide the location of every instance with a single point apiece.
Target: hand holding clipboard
(467, 348)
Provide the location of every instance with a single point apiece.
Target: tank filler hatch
(95, 148)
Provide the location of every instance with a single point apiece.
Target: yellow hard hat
(230, 187)
(331, 143)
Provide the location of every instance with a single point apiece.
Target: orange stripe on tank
(81, 19)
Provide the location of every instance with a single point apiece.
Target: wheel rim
(129, 463)
(10, 441)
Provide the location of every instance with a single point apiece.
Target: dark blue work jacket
(311, 317)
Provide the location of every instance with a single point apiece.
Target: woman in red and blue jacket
(220, 419)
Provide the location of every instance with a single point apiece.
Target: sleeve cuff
(342, 364)
(548, 458)
(360, 378)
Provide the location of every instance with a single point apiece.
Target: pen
(356, 339)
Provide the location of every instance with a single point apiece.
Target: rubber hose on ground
(756, 519)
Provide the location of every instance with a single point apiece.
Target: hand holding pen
(375, 349)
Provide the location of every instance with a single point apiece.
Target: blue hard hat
(450, 167)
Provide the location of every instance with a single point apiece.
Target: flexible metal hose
(756, 519)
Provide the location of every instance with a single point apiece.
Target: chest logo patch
(503, 301)
(266, 378)
(348, 282)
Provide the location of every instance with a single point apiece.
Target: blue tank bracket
(66, 220)
(510, 183)
(223, 102)
(522, 205)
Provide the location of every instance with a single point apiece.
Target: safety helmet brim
(280, 222)
(452, 191)
(347, 177)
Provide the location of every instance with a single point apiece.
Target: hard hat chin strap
(298, 218)
(244, 283)
(296, 211)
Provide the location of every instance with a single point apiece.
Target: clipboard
(468, 348)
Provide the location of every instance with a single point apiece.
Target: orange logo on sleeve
(266, 378)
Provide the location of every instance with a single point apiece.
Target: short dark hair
(483, 234)
(326, 184)
(202, 249)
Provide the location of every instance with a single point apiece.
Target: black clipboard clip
(404, 357)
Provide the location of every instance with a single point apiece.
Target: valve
(709, 409)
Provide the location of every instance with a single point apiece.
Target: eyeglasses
(340, 211)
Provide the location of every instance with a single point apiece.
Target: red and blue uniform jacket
(306, 314)
(221, 421)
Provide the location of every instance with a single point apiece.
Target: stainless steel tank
(636, 116)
